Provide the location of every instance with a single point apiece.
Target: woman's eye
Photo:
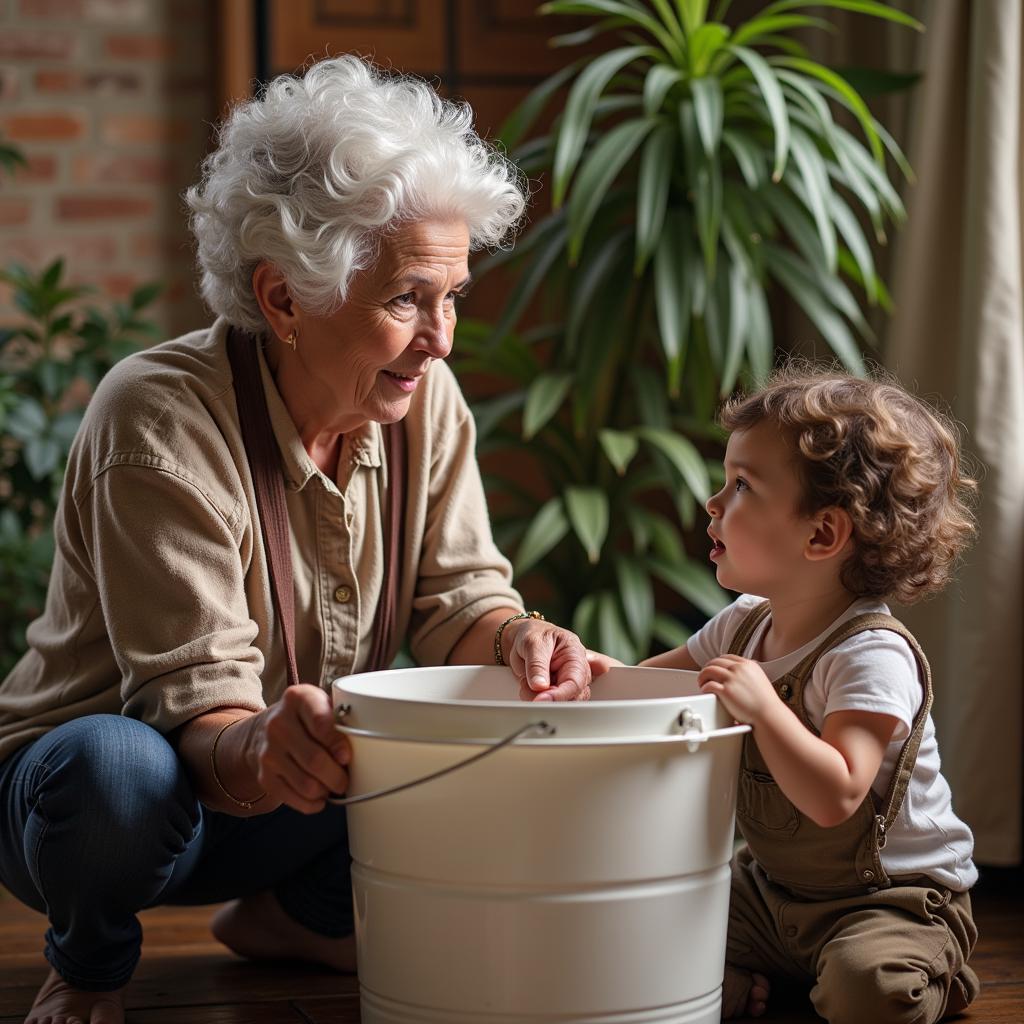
(406, 299)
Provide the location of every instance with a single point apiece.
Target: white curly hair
(311, 174)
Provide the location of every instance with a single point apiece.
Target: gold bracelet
(247, 804)
(498, 658)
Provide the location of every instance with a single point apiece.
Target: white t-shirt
(872, 671)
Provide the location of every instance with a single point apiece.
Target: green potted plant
(49, 363)
(695, 168)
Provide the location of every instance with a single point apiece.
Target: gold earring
(292, 339)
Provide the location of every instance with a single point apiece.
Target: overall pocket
(762, 804)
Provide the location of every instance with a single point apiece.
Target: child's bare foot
(744, 994)
(258, 928)
(59, 1003)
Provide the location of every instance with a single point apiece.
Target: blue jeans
(98, 821)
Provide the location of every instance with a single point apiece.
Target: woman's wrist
(504, 635)
(247, 803)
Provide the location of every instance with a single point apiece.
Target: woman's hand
(741, 685)
(549, 662)
(298, 755)
(600, 663)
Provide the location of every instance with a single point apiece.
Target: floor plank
(185, 975)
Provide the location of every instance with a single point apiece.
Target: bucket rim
(547, 742)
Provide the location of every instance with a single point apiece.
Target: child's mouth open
(718, 548)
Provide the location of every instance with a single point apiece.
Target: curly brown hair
(889, 460)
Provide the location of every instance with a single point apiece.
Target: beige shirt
(159, 605)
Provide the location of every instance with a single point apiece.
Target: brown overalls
(815, 905)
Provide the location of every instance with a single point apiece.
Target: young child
(839, 494)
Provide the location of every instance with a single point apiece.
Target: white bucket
(580, 876)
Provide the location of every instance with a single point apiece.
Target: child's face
(760, 536)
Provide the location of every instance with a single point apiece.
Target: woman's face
(366, 360)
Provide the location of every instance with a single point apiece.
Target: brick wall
(111, 102)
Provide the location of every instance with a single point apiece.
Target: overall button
(868, 874)
(785, 690)
(343, 595)
(791, 931)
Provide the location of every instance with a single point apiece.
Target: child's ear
(832, 530)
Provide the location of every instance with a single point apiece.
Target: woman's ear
(833, 529)
(275, 301)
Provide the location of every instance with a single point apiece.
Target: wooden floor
(185, 977)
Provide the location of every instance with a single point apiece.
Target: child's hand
(600, 663)
(740, 684)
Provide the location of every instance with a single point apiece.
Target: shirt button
(343, 595)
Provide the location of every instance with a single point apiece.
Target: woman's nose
(436, 335)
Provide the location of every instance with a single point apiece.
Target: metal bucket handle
(542, 728)
(688, 722)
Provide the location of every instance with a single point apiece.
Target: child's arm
(680, 657)
(826, 777)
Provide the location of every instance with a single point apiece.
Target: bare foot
(745, 993)
(259, 929)
(59, 1003)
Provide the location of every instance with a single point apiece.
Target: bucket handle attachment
(692, 729)
(541, 728)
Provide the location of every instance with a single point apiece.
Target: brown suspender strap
(750, 622)
(898, 784)
(387, 609)
(265, 465)
(268, 481)
(904, 767)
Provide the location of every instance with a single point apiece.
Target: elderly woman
(279, 498)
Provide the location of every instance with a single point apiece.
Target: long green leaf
(543, 398)
(589, 278)
(613, 637)
(760, 347)
(693, 582)
(871, 7)
(637, 595)
(620, 447)
(738, 324)
(841, 86)
(528, 283)
(639, 16)
(548, 527)
(708, 106)
(668, 631)
(818, 309)
(672, 292)
(705, 45)
(656, 164)
(579, 112)
(749, 157)
(818, 191)
(757, 28)
(588, 514)
(683, 456)
(602, 166)
(657, 83)
(774, 100)
(521, 120)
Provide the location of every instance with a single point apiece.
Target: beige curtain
(958, 335)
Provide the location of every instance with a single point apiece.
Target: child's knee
(852, 991)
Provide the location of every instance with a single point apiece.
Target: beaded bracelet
(247, 804)
(498, 659)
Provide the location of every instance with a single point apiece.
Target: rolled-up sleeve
(461, 573)
(172, 592)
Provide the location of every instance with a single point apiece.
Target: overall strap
(898, 784)
(746, 628)
(264, 457)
